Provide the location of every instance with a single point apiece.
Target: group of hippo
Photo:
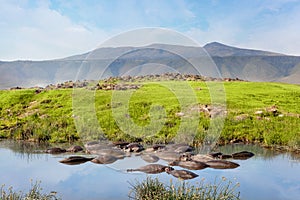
(181, 155)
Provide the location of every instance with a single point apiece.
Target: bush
(34, 193)
(154, 189)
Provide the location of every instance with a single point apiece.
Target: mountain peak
(222, 50)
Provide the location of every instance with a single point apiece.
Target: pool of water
(267, 175)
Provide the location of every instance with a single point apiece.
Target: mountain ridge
(232, 62)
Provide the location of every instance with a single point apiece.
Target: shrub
(34, 193)
(154, 189)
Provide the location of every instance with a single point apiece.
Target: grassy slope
(48, 115)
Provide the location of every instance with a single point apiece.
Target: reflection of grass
(154, 189)
(34, 193)
(48, 116)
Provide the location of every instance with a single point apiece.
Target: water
(267, 175)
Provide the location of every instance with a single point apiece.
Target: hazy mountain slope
(248, 64)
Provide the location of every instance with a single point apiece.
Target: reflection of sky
(274, 178)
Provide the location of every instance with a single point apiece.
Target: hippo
(169, 156)
(92, 143)
(215, 154)
(75, 149)
(75, 160)
(193, 165)
(55, 150)
(119, 154)
(183, 149)
(156, 147)
(149, 158)
(104, 159)
(225, 156)
(222, 164)
(201, 158)
(95, 146)
(219, 155)
(182, 174)
(243, 155)
(134, 147)
(152, 169)
(121, 144)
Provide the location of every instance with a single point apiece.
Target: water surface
(267, 175)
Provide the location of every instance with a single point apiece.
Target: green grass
(49, 116)
(154, 189)
(46, 116)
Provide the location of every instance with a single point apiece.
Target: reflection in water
(267, 175)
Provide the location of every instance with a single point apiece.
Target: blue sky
(37, 30)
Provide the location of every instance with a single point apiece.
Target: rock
(241, 117)
(179, 114)
(259, 112)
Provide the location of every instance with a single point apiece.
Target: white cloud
(42, 33)
(271, 27)
(45, 31)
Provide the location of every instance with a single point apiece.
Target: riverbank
(263, 113)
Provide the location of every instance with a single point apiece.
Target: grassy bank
(154, 189)
(47, 115)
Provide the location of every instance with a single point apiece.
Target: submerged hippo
(156, 147)
(55, 150)
(182, 174)
(184, 149)
(201, 157)
(134, 147)
(193, 165)
(243, 155)
(219, 155)
(152, 169)
(110, 151)
(75, 160)
(222, 164)
(169, 156)
(104, 159)
(225, 156)
(215, 154)
(75, 149)
(149, 158)
(120, 144)
(93, 146)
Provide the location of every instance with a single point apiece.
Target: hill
(232, 62)
(268, 114)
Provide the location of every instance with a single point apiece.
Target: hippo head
(168, 169)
